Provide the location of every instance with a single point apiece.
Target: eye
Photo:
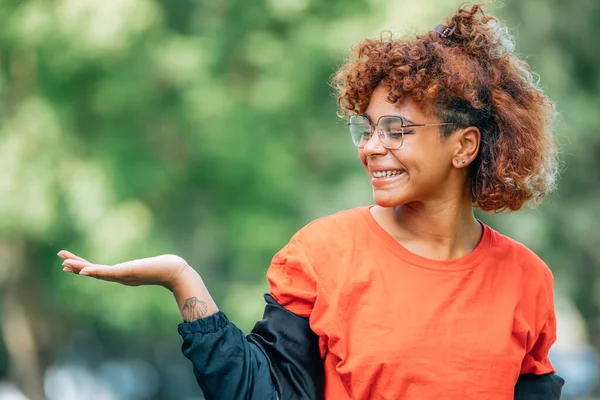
(393, 132)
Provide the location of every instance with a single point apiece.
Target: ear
(467, 146)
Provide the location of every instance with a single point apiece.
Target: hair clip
(444, 31)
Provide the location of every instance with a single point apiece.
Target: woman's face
(422, 167)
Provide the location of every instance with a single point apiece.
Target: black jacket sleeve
(280, 359)
(226, 365)
(539, 387)
(293, 351)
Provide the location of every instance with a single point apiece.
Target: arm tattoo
(193, 309)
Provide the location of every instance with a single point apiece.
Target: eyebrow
(406, 120)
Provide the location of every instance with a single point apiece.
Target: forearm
(192, 297)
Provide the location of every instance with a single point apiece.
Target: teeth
(381, 174)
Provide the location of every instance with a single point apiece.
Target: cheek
(426, 155)
(428, 165)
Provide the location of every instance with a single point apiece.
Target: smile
(385, 174)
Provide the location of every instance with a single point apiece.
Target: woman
(412, 298)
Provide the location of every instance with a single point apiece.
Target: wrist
(191, 295)
(185, 275)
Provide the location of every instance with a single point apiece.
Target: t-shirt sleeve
(291, 278)
(536, 360)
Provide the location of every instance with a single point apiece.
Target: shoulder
(318, 244)
(330, 235)
(530, 266)
(333, 226)
(520, 253)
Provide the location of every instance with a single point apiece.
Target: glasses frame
(381, 134)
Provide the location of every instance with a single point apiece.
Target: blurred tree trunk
(18, 319)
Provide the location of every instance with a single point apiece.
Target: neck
(440, 229)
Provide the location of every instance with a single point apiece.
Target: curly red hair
(471, 78)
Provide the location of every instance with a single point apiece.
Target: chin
(386, 200)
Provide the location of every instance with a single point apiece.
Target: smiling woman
(411, 298)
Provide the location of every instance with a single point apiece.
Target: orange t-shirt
(395, 325)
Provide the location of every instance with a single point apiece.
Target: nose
(374, 145)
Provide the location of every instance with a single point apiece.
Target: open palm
(160, 270)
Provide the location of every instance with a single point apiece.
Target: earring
(463, 161)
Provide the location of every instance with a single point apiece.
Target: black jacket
(280, 359)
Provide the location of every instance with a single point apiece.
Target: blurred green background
(207, 129)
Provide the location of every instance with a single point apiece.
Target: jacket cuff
(208, 324)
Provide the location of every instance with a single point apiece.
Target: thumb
(103, 272)
(90, 271)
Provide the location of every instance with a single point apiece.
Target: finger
(64, 254)
(77, 265)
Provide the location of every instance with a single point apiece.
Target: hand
(161, 270)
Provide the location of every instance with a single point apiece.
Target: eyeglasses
(390, 129)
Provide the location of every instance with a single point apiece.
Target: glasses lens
(360, 130)
(393, 130)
